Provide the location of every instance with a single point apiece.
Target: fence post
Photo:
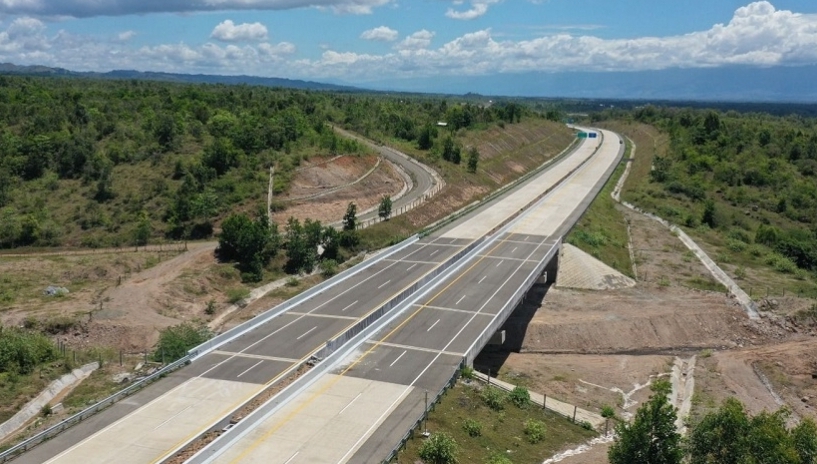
(545, 403)
(574, 413)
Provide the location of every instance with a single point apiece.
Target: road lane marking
(326, 316)
(253, 356)
(306, 333)
(416, 348)
(480, 280)
(453, 240)
(292, 457)
(251, 368)
(514, 249)
(398, 358)
(411, 267)
(458, 301)
(527, 237)
(172, 417)
(433, 253)
(344, 309)
(432, 326)
(280, 423)
(500, 263)
(384, 284)
(350, 403)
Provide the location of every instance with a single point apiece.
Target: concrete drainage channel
(352, 334)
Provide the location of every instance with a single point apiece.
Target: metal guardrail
(195, 353)
(276, 311)
(353, 338)
(423, 416)
(509, 307)
(58, 428)
(337, 342)
(497, 193)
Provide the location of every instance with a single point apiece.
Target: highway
(150, 426)
(362, 408)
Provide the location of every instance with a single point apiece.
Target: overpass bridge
(343, 319)
(372, 391)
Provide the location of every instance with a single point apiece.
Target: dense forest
(109, 163)
(751, 176)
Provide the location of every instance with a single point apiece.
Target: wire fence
(427, 408)
(63, 425)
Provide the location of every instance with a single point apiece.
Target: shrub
(236, 294)
(781, 264)
(467, 372)
(498, 458)
(46, 410)
(292, 282)
(175, 341)
(520, 397)
(534, 430)
(21, 350)
(439, 448)
(211, 307)
(329, 268)
(608, 412)
(735, 245)
(494, 398)
(472, 427)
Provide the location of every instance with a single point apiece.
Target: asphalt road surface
(150, 425)
(362, 409)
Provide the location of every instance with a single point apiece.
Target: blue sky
(359, 41)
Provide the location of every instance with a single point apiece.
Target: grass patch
(730, 244)
(602, 231)
(98, 386)
(511, 429)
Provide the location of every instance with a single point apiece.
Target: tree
(473, 159)
(719, 437)
(251, 243)
(384, 210)
(730, 436)
(141, 234)
(709, 218)
(426, 139)
(651, 438)
(175, 341)
(350, 218)
(439, 448)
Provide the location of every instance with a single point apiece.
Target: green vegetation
(175, 341)
(651, 438)
(108, 163)
(22, 350)
(520, 397)
(513, 434)
(602, 230)
(494, 398)
(384, 210)
(439, 448)
(741, 184)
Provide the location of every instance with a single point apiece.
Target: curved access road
(425, 181)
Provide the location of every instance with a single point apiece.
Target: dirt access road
(125, 296)
(595, 348)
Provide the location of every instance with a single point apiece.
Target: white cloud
(478, 8)
(125, 36)
(419, 40)
(757, 35)
(227, 31)
(380, 34)
(88, 8)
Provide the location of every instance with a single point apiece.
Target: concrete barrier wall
(502, 316)
(276, 311)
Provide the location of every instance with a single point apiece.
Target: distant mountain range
(796, 84)
(737, 83)
(8, 68)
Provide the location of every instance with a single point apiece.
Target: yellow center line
(287, 371)
(377, 344)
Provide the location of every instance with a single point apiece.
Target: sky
(360, 41)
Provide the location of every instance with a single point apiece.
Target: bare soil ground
(595, 348)
(122, 298)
